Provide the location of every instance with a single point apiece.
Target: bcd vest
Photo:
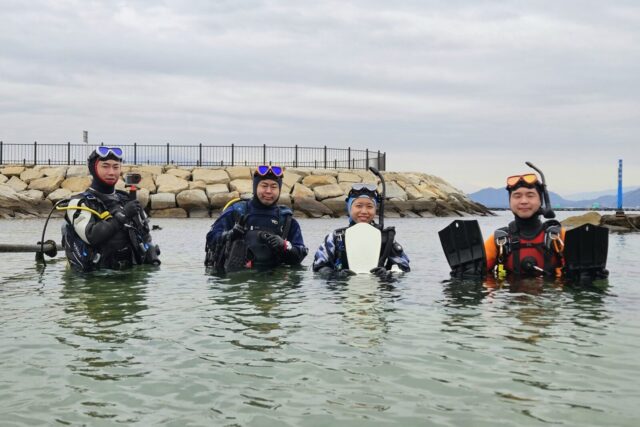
(540, 255)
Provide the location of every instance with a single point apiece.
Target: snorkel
(545, 209)
(377, 173)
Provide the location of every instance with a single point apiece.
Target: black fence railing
(198, 155)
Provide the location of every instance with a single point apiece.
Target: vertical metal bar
(0, 152)
(325, 156)
(619, 186)
(296, 156)
(200, 153)
(68, 152)
(232, 154)
(35, 152)
(264, 154)
(378, 161)
(135, 153)
(349, 158)
(384, 163)
(367, 151)
(167, 153)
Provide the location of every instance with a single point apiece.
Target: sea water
(176, 346)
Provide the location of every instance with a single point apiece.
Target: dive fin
(585, 252)
(463, 246)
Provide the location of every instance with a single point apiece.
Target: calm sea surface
(174, 346)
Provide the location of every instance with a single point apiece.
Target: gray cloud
(465, 89)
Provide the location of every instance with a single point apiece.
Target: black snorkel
(377, 173)
(545, 209)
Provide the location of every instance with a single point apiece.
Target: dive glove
(275, 242)
(235, 233)
(132, 208)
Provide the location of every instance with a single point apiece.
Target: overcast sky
(467, 90)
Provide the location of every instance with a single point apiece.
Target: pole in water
(620, 211)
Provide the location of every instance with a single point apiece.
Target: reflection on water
(176, 346)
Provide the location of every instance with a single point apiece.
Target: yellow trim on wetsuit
(103, 215)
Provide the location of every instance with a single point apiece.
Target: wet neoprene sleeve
(98, 232)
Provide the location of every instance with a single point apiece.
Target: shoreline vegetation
(201, 192)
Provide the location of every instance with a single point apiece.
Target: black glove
(275, 242)
(151, 257)
(379, 271)
(132, 208)
(343, 274)
(119, 215)
(235, 233)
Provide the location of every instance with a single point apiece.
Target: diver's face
(268, 192)
(108, 171)
(363, 210)
(525, 202)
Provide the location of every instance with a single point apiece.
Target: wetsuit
(332, 254)
(114, 241)
(528, 246)
(257, 221)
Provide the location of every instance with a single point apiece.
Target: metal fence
(198, 155)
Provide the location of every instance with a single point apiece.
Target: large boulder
(57, 171)
(180, 173)
(210, 176)
(143, 196)
(239, 172)
(395, 192)
(337, 205)
(326, 172)
(327, 191)
(3, 179)
(148, 170)
(216, 189)
(30, 174)
(169, 213)
(17, 184)
(285, 199)
(76, 184)
(148, 182)
(311, 207)
(171, 184)
(192, 200)
(291, 178)
(242, 186)
(300, 191)
(163, 201)
(593, 218)
(47, 185)
(197, 185)
(59, 194)
(219, 200)
(425, 205)
(412, 192)
(10, 171)
(77, 171)
(349, 177)
(313, 181)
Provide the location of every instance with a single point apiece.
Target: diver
(361, 203)
(527, 246)
(258, 233)
(104, 228)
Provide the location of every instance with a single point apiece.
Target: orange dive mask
(527, 179)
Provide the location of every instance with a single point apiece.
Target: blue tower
(620, 211)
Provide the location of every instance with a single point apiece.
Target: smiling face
(267, 192)
(525, 202)
(108, 171)
(363, 210)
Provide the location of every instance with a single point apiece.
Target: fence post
(0, 152)
(135, 153)
(68, 152)
(349, 158)
(167, 153)
(325, 156)
(232, 154)
(35, 152)
(200, 153)
(296, 156)
(367, 151)
(384, 162)
(264, 154)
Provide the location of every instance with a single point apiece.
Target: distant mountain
(497, 198)
(590, 195)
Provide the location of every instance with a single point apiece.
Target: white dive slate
(362, 242)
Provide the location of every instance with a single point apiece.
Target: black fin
(236, 259)
(464, 248)
(585, 252)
